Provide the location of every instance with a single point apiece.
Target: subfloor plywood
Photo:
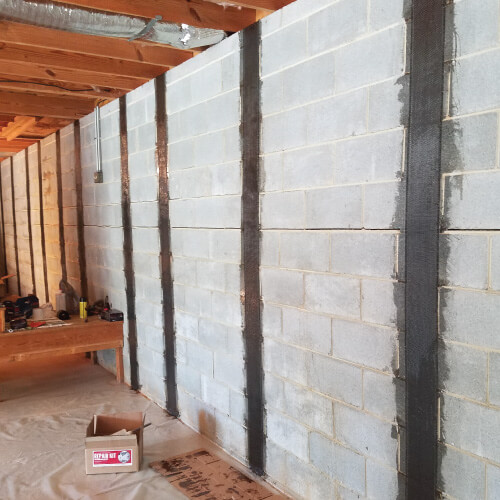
(46, 407)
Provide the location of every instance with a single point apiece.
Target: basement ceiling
(49, 78)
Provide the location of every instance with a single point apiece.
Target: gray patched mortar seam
(398, 222)
(450, 156)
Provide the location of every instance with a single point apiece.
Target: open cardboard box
(122, 452)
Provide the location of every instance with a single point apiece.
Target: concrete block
(231, 71)
(200, 358)
(271, 320)
(494, 378)
(493, 484)
(388, 104)
(457, 251)
(471, 201)
(283, 210)
(237, 407)
(224, 111)
(366, 434)
(141, 164)
(384, 395)
(218, 212)
(334, 208)
(147, 264)
(232, 437)
(462, 36)
(190, 183)
(495, 262)
(282, 286)
(377, 157)
(366, 253)
(226, 179)
(146, 240)
(383, 14)
(384, 205)
(225, 245)
(307, 330)
(288, 434)
(197, 301)
(383, 303)
(212, 334)
(365, 344)
(189, 379)
(184, 271)
(230, 370)
(337, 462)
(147, 288)
(373, 59)
(337, 118)
(335, 379)
(310, 167)
(469, 143)
(271, 172)
(309, 81)
(284, 47)
(478, 72)
(205, 83)
(232, 144)
(211, 275)
(209, 149)
(270, 248)
(226, 308)
(471, 427)
(383, 483)
(460, 476)
(332, 295)
(285, 130)
(287, 361)
(186, 325)
(272, 93)
(336, 25)
(181, 154)
(470, 317)
(464, 371)
(305, 250)
(215, 394)
(195, 243)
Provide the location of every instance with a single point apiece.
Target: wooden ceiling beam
(61, 75)
(194, 12)
(39, 86)
(34, 105)
(17, 127)
(78, 62)
(267, 5)
(136, 51)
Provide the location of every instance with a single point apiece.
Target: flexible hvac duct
(91, 22)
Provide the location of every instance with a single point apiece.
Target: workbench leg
(119, 364)
(93, 357)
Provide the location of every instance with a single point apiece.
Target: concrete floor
(45, 409)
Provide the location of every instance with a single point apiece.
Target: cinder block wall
(21, 204)
(36, 233)
(143, 174)
(103, 218)
(203, 105)
(469, 362)
(333, 95)
(9, 226)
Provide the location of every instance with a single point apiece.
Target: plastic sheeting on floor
(44, 412)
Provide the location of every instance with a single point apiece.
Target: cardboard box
(106, 453)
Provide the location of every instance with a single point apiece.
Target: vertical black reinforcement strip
(42, 222)
(165, 249)
(82, 260)
(28, 208)
(14, 224)
(422, 246)
(251, 117)
(128, 247)
(4, 249)
(60, 208)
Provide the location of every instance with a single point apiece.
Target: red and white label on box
(111, 458)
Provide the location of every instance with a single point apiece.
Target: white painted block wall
(333, 134)
(203, 105)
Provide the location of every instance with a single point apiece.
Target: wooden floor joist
(32, 105)
(121, 49)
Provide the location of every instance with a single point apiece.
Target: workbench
(78, 336)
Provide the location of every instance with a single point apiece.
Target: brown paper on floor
(201, 474)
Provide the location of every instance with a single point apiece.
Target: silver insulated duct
(91, 22)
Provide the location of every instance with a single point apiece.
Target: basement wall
(334, 98)
(469, 361)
